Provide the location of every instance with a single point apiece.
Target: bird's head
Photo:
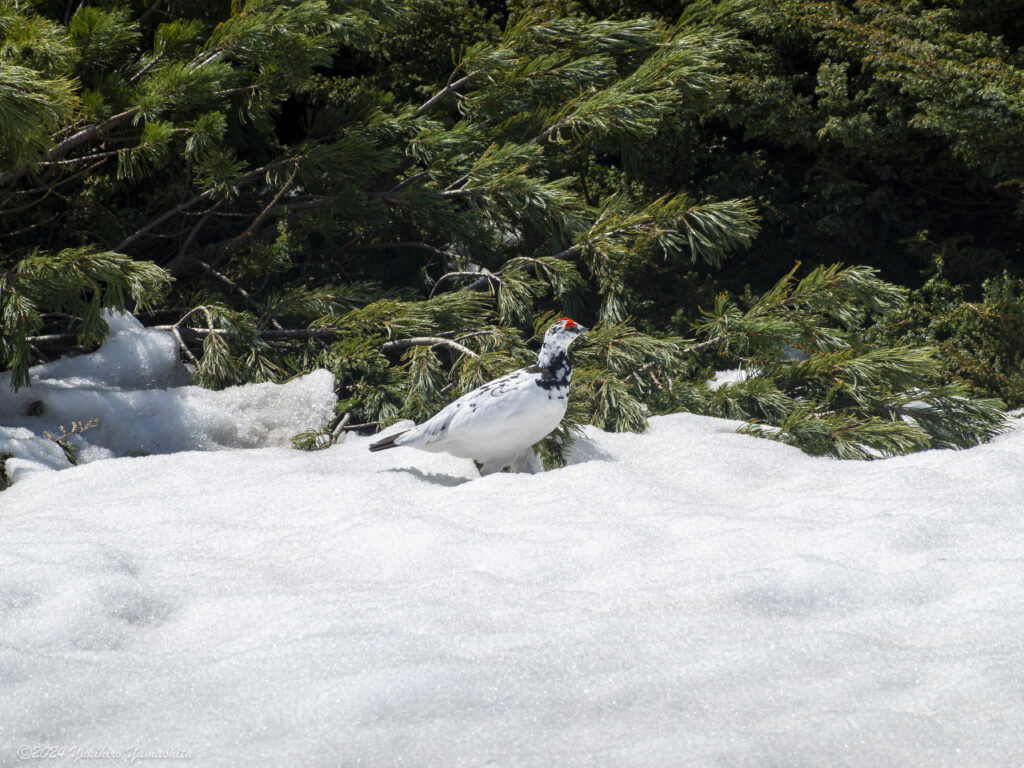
(553, 352)
(565, 331)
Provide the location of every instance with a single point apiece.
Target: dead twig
(85, 134)
(400, 345)
(483, 277)
(184, 347)
(339, 429)
(234, 243)
(450, 88)
(243, 179)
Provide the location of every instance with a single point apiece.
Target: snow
(688, 596)
(731, 376)
(134, 389)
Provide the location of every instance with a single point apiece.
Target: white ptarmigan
(496, 424)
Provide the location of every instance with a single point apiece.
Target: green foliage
(77, 284)
(981, 342)
(404, 193)
(815, 380)
(31, 108)
(857, 125)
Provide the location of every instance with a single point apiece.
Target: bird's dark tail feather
(387, 442)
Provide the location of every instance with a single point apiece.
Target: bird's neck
(556, 360)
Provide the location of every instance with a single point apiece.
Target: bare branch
(271, 334)
(475, 333)
(205, 58)
(549, 132)
(361, 426)
(82, 159)
(239, 289)
(30, 227)
(52, 339)
(185, 333)
(482, 282)
(233, 91)
(568, 253)
(485, 278)
(244, 178)
(695, 348)
(402, 244)
(228, 282)
(451, 87)
(202, 308)
(49, 189)
(264, 213)
(178, 261)
(86, 134)
(307, 202)
(423, 176)
(183, 346)
(151, 64)
(161, 219)
(453, 194)
(340, 428)
(454, 186)
(427, 341)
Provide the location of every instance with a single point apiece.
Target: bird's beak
(583, 328)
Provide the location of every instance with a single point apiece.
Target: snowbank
(134, 391)
(689, 596)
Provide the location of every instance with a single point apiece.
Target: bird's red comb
(569, 322)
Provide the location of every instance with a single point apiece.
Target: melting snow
(133, 389)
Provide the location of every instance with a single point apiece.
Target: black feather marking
(387, 442)
(555, 376)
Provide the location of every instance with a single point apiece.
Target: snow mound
(131, 357)
(731, 376)
(132, 393)
(688, 596)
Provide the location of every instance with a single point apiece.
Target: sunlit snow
(685, 597)
(133, 388)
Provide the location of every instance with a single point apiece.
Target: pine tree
(816, 381)
(412, 230)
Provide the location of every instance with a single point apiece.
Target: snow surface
(134, 387)
(685, 597)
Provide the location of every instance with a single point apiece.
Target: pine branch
(450, 88)
(401, 244)
(264, 213)
(428, 341)
(484, 281)
(30, 227)
(243, 179)
(282, 334)
(86, 134)
(178, 262)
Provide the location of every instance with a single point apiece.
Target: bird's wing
(476, 414)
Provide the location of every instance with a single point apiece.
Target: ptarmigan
(496, 424)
